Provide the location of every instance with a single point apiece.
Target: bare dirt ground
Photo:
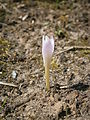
(22, 24)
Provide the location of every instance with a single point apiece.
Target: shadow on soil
(79, 86)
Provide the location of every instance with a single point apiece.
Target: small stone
(14, 74)
(25, 17)
(0, 73)
(32, 82)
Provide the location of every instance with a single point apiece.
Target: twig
(4, 7)
(65, 87)
(62, 86)
(20, 103)
(8, 84)
(3, 23)
(73, 48)
(77, 48)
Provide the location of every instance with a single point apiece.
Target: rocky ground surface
(22, 24)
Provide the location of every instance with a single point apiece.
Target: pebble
(14, 74)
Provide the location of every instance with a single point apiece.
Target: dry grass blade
(8, 84)
(73, 48)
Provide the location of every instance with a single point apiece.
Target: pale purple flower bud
(47, 49)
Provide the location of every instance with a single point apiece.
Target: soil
(22, 25)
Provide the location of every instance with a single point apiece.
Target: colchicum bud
(47, 51)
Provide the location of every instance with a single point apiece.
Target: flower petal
(47, 49)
